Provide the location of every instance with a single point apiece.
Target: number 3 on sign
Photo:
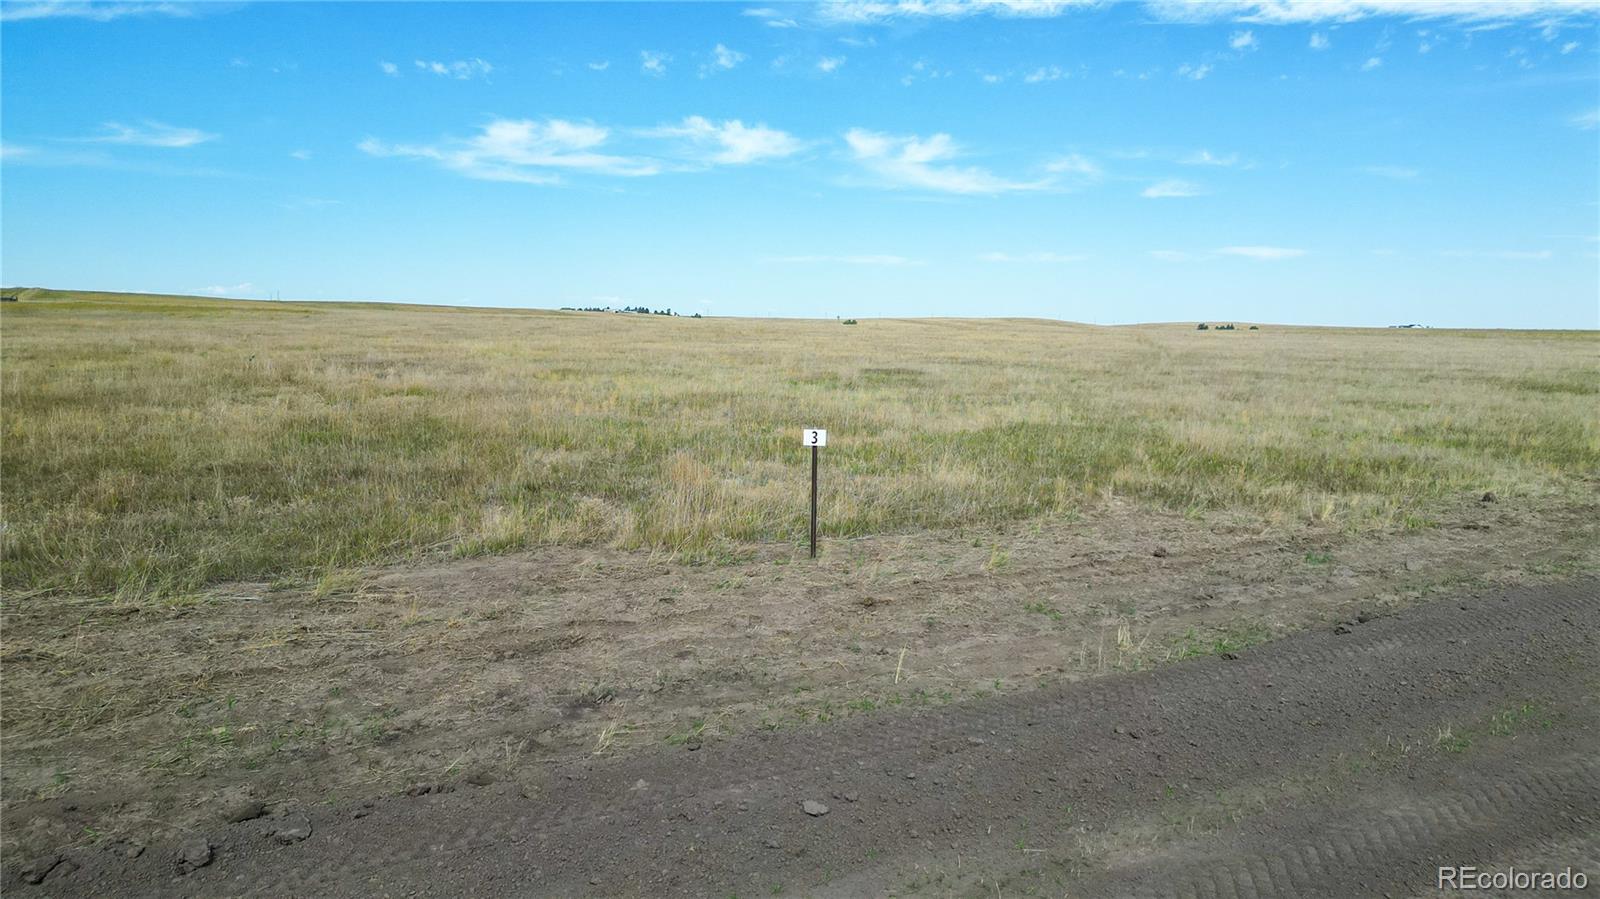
(814, 437)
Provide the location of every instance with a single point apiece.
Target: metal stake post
(813, 502)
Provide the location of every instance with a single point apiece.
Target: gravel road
(1346, 761)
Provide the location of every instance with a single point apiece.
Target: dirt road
(1351, 761)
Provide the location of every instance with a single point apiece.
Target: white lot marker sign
(816, 438)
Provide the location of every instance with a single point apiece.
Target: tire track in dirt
(949, 800)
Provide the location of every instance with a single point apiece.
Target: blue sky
(1356, 162)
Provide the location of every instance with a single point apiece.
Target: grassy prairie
(156, 444)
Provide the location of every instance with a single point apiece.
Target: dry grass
(156, 444)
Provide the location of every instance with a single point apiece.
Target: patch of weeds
(1041, 608)
(1231, 639)
(336, 582)
(1316, 558)
(694, 734)
(1451, 742)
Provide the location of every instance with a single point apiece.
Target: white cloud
(1397, 172)
(652, 63)
(1372, 62)
(1044, 73)
(771, 17)
(12, 151)
(722, 59)
(98, 12)
(461, 69)
(1194, 73)
(1045, 257)
(1319, 41)
(914, 162)
(389, 68)
(1074, 164)
(523, 151)
(1585, 121)
(1286, 12)
(1175, 256)
(879, 259)
(1511, 255)
(1262, 253)
(1568, 47)
(829, 63)
(151, 134)
(217, 290)
(1172, 187)
(1243, 40)
(732, 142)
(600, 65)
(1204, 157)
(867, 12)
(301, 155)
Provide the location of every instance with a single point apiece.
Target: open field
(304, 554)
(154, 445)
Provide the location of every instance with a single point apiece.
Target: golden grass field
(153, 444)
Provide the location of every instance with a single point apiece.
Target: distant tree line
(637, 310)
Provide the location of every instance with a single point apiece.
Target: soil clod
(292, 829)
(36, 870)
(814, 808)
(249, 810)
(195, 853)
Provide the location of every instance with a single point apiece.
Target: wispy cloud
(1262, 253)
(1585, 121)
(1172, 187)
(1194, 72)
(98, 12)
(732, 142)
(150, 134)
(868, 12)
(600, 65)
(1045, 73)
(1043, 257)
(771, 17)
(1075, 165)
(1257, 253)
(461, 69)
(652, 63)
(1373, 62)
(1205, 157)
(524, 151)
(1176, 256)
(829, 64)
(871, 259)
(301, 155)
(1243, 40)
(1319, 41)
(1287, 12)
(1397, 172)
(1510, 255)
(1568, 47)
(236, 290)
(923, 164)
(389, 68)
(722, 59)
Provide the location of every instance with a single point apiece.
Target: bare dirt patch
(135, 722)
